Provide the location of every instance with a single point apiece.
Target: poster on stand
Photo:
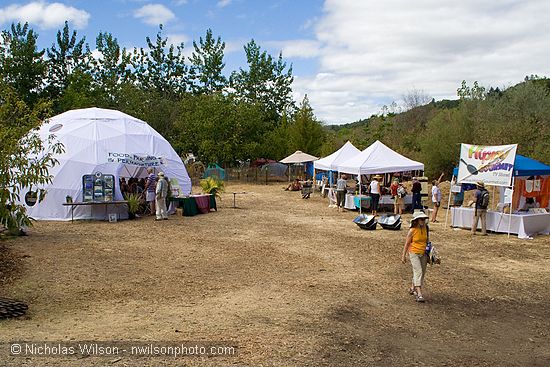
(492, 165)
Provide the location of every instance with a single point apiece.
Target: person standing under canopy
(161, 193)
(375, 193)
(341, 187)
(150, 185)
(393, 190)
(416, 195)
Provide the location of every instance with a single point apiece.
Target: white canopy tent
(378, 159)
(107, 141)
(331, 162)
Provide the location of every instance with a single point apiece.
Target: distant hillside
(432, 133)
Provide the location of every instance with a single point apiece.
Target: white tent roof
(299, 157)
(332, 161)
(378, 158)
(106, 141)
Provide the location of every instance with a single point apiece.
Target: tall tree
(21, 63)
(111, 69)
(267, 81)
(206, 71)
(307, 134)
(65, 57)
(162, 69)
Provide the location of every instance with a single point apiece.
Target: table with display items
(94, 203)
(525, 225)
(195, 204)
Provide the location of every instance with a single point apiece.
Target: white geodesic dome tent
(103, 141)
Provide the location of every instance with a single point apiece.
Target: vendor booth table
(388, 200)
(195, 204)
(363, 201)
(525, 225)
(91, 204)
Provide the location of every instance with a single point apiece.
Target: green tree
(111, 69)
(206, 71)
(276, 142)
(268, 81)
(162, 69)
(81, 92)
(219, 128)
(21, 63)
(67, 56)
(25, 159)
(306, 134)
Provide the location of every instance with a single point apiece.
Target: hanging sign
(492, 165)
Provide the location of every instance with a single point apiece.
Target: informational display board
(98, 187)
(492, 165)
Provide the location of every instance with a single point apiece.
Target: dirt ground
(289, 282)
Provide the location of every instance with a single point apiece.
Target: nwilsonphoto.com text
(122, 349)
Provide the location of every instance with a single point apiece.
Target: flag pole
(360, 198)
(449, 202)
(511, 205)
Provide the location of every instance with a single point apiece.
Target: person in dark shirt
(416, 196)
(124, 188)
(480, 213)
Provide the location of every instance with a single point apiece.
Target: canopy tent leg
(449, 201)
(360, 199)
(511, 205)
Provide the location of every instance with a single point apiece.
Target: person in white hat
(161, 192)
(415, 246)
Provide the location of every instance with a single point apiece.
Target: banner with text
(135, 159)
(492, 165)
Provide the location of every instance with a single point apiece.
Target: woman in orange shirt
(415, 245)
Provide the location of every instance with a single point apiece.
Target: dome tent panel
(101, 140)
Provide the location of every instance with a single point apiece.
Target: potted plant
(133, 205)
(213, 185)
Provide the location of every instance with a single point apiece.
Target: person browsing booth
(480, 213)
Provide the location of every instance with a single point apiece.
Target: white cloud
(224, 3)
(154, 14)
(372, 52)
(296, 48)
(45, 15)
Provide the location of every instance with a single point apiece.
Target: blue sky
(350, 57)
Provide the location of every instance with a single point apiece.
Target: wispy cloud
(224, 3)
(154, 14)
